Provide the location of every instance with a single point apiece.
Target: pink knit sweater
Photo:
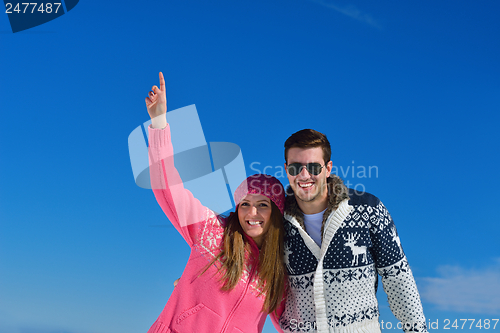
(197, 304)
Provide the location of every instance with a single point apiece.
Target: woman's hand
(156, 102)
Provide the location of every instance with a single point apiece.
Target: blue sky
(409, 89)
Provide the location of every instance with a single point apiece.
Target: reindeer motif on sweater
(357, 251)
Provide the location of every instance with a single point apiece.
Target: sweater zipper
(230, 316)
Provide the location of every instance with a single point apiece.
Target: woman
(235, 274)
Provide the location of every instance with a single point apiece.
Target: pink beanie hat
(262, 184)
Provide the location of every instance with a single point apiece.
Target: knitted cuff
(158, 137)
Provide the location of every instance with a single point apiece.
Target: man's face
(308, 187)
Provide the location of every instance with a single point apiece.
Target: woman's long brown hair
(271, 268)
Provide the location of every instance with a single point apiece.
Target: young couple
(311, 259)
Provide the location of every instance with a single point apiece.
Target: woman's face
(254, 214)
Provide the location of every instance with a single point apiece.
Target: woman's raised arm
(179, 204)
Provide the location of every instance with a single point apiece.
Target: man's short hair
(309, 138)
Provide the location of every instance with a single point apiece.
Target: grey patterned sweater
(333, 288)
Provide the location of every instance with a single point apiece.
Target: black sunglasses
(313, 168)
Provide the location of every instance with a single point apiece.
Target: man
(336, 242)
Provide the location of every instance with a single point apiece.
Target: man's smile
(306, 184)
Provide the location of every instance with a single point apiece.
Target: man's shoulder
(357, 198)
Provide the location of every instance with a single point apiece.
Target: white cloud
(352, 12)
(464, 290)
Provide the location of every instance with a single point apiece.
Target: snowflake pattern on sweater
(332, 288)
